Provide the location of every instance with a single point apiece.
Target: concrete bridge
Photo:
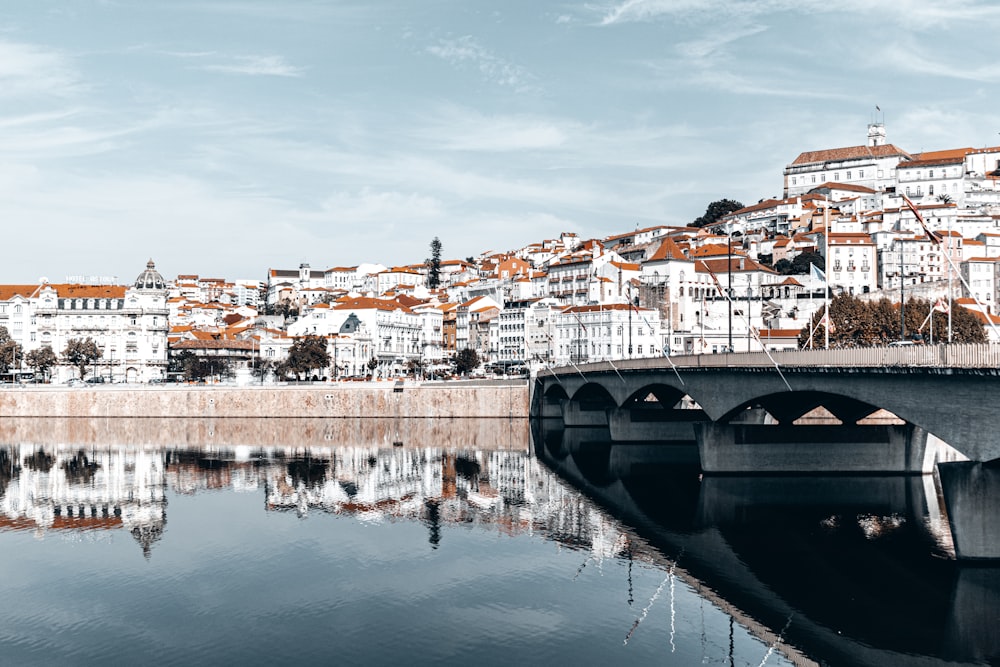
(861, 411)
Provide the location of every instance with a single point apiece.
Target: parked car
(75, 382)
(97, 379)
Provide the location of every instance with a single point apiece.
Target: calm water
(316, 542)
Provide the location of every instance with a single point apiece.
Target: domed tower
(144, 336)
(150, 279)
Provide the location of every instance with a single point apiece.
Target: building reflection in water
(82, 490)
(845, 570)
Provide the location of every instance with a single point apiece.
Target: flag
(715, 278)
(584, 326)
(817, 273)
(876, 108)
(941, 306)
(933, 236)
(827, 322)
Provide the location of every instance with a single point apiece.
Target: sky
(225, 138)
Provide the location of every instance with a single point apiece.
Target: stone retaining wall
(370, 400)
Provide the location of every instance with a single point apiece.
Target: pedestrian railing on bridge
(941, 356)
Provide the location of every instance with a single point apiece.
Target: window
(848, 175)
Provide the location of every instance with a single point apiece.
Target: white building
(602, 332)
(129, 325)
(872, 165)
(852, 264)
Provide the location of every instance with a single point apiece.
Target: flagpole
(951, 291)
(936, 240)
(932, 324)
(826, 260)
(756, 336)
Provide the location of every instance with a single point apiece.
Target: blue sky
(225, 137)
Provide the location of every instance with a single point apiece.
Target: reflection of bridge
(807, 412)
(848, 569)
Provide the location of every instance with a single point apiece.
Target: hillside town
(871, 221)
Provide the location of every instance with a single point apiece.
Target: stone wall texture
(353, 400)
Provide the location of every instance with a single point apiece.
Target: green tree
(433, 264)
(80, 352)
(466, 360)
(41, 360)
(372, 365)
(802, 262)
(308, 354)
(715, 211)
(10, 351)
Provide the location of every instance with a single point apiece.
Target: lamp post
(749, 321)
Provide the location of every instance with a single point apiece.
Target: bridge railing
(948, 356)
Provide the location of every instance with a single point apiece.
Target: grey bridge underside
(960, 406)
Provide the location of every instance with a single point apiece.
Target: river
(448, 542)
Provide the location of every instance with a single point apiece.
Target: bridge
(859, 411)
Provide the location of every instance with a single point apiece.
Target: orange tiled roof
(90, 291)
(8, 292)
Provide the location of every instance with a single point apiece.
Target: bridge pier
(578, 413)
(653, 425)
(972, 497)
(750, 448)
(551, 407)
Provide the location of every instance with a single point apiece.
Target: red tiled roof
(850, 153)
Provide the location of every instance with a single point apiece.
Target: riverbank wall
(378, 400)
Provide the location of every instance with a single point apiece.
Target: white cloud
(912, 58)
(256, 66)
(924, 14)
(26, 69)
(493, 68)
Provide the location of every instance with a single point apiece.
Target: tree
(414, 367)
(372, 365)
(715, 211)
(858, 323)
(41, 360)
(285, 308)
(308, 354)
(466, 360)
(433, 264)
(10, 351)
(802, 262)
(80, 352)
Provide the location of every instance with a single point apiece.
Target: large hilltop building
(871, 165)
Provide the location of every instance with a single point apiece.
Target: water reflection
(654, 563)
(849, 570)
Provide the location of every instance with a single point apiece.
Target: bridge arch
(787, 407)
(593, 396)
